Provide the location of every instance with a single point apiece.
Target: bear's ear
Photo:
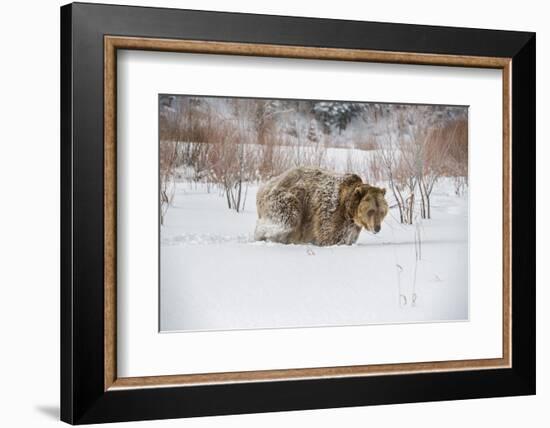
(360, 191)
(352, 179)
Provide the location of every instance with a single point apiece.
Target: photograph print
(287, 213)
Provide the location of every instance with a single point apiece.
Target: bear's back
(317, 188)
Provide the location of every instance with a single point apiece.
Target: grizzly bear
(314, 206)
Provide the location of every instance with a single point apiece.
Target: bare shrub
(445, 153)
(366, 143)
(228, 168)
(233, 159)
(416, 152)
(168, 155)
(273, 156)
(372, 168)
(313, 155)
(388, 160)
(457, 165)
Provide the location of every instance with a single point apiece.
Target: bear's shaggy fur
(310, 205)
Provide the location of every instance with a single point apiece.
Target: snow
(267, 229)
(214, 276)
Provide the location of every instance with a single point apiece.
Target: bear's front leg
(281, 220)
(269, 230)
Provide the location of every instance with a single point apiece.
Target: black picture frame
(83, 397)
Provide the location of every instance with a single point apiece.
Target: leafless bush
(272, 156)
(367, 143)
(390, 162)
(416, 153)
(168, 161)
(457, 166)
(313, 155)
(351, 162)
(231, 163)
(228, 167)
(444, 153)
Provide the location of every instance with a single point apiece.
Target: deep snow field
(215, 277)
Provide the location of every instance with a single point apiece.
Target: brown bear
(314, 206)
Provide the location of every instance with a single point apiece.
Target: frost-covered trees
(390, 163)
(335, 115)
(228, 143)
(421, 144)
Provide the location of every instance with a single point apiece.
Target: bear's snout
(377, 228)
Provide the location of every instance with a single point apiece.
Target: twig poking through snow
(402, 297)
(418, 257)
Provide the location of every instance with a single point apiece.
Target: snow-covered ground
(215, 277)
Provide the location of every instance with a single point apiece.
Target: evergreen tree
(335, 115)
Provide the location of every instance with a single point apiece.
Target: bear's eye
(370, 212)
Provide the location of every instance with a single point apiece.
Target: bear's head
(369, 207)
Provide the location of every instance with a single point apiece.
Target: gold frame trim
(113, 43)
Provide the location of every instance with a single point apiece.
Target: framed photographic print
(265, 213)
